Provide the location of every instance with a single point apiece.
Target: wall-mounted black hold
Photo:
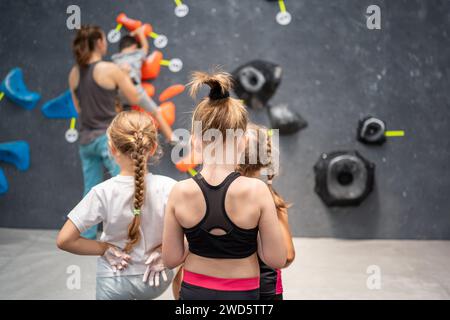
(256, 82)
(371, 130)
(343, 178)
(285, 119)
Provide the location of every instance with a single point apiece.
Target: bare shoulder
(107, 67)
(74, 76)
(184, 189)
(246, 186)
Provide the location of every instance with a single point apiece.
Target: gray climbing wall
(335, 71)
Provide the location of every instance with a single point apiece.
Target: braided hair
(257, 135)
(134, 134)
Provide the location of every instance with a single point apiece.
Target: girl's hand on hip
(155, 267)
(117, 258)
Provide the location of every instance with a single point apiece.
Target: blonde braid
(140, 161)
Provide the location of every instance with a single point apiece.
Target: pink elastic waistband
(240, 284)
(279, 285)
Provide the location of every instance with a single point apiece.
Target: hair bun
(217, 92)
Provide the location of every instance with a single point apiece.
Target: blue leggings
(94, 158)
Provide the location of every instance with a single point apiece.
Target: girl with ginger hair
(219, 211)
(271, 287)
(131, 208)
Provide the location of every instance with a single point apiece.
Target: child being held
(130, 58)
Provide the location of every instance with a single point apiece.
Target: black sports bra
(237, 243)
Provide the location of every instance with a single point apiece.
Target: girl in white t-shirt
(131, 207)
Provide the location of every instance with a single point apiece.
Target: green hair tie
(136, 212)
(270, 132)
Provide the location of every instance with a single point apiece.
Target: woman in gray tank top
(94, 84)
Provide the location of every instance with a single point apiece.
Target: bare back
(241, 209)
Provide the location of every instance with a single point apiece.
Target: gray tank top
(96, 103)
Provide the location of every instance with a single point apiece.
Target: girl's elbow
(61, 242)
(289, 259)
(171, 262)
(281, 263)
(276, 262)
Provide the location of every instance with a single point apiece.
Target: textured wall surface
(335, 71)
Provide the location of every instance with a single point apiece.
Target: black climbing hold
(285, 119)
(371, 130)
(256, 82)
(343, 178)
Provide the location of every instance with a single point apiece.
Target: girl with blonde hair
(260, 138)
(131, 207)
(219, 211)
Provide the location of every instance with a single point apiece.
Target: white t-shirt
(111, 202)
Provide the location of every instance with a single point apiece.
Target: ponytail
(280, 204)
(84, 43)
(217, 110)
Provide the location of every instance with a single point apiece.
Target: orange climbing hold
(151, 66)
(191, 161)
(171, 92)
(148, 29)
(128, 23)
(149, 89)
(167, 110)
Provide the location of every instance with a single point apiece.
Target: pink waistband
(240, 284)
(279, 285)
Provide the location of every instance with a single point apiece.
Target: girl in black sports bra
(271, 287)
(227, 220)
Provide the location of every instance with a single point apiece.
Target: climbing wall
(335, 71)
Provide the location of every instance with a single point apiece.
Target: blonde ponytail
(218, 110)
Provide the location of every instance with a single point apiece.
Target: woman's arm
(69, 240)
(271, 246)
(123, 82)
(174, 249)
(73, 83)
(287, 238)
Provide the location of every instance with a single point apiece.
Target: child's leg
(164, 127)
(149, 105)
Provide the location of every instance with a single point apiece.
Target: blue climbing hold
(16, 153)
(15, 89)
(61, 107)
(3, 183)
